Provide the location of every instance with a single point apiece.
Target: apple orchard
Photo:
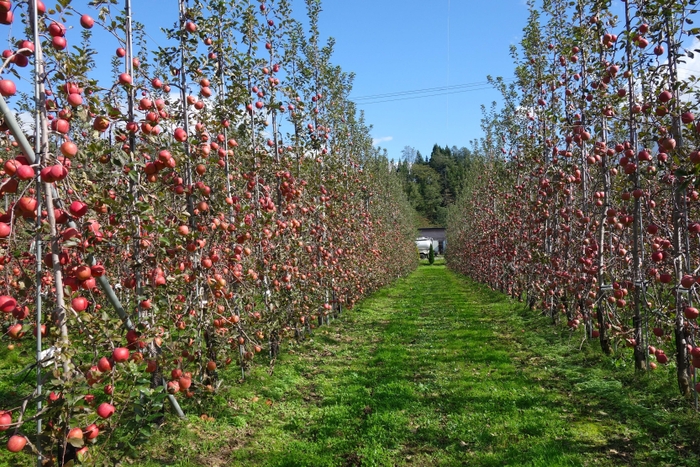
(588, 203)
(185, 212)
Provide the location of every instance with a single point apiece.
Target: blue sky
(394, 46)
(402, 45)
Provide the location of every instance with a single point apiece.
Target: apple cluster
(586, 201)
(179, 218)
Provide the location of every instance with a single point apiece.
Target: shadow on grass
(438, 371)
(439, 389)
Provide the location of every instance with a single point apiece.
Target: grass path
(438, 371)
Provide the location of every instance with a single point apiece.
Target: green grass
(438, 371)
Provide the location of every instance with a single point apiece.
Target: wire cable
(407, 98)
(425, 90)
(428, 92)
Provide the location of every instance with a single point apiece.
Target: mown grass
(438, 371)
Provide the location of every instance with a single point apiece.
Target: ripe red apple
(125, 78)
(6, 17)
(24, 172)
(687, 281)
(665, 278)
(91, 431)
(185, 382)
(78, 208)
(120, 354)
(87, 22)
(5, 230)
(75, 434)
(5, 420)
(7, 304)
(103, 365)
(180, 135)
(691, 312)
(16, 443)
(59, 42)
(57, 29)
(665, 96)
(97, 270)
(79, 304)
(75, 100)
(7, 88)
(69, 149)
(105, 410)
(173, 387)
(60, 125)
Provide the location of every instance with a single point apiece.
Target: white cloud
(691, 67)
(383, 139)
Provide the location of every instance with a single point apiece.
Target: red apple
(7, 304)
(5, 230)
(120, 354)
(16, 443)
(665, 96)
(87, 22)
(125, 78)
(78, 208)
(687, 281)
(91, 431)
(5, 420)
(103, 365)
(75, 434)
(6, 17)
(105, 410)
(80, 304)
(691, 312)
(59, 42)
(7, 88)
(57, 29)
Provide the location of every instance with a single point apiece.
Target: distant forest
(433, 183)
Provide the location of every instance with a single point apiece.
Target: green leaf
(76, 442)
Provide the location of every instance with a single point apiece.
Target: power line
(425, 90)
(406, 98)
(447, 113)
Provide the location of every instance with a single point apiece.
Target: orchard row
(189, 210)
(589, 204)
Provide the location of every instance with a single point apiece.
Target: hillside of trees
(433, 183)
